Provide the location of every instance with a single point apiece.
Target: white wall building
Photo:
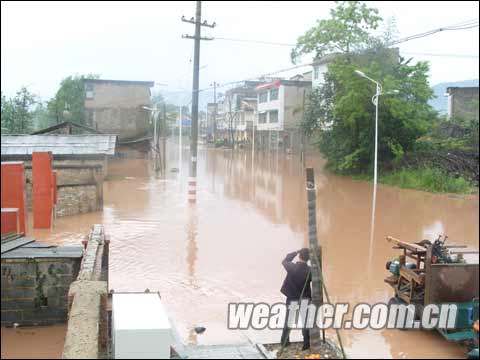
(320, 68)
(280, 104)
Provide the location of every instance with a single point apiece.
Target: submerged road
(229, 246)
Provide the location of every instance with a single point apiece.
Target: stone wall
(35, 292)
(77, 199)
(80, 186)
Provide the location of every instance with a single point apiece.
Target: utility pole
(197, 21)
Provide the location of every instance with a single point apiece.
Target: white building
(239, 109)
(320, 68)
(280, 111)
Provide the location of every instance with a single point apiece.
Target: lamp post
(374, 200)
(154, 112)
(375, 102)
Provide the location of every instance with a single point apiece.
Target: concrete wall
(462, 103)
(35, 292)
(117, 109)
(87, 332)
(293, 105)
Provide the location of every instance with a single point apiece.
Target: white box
(140, 327)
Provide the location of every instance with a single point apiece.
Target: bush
(428, 179)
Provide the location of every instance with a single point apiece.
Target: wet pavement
(229, 246)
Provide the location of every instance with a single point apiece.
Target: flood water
(229, 247)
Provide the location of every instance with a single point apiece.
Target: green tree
(344, 103)
(7, 115)
(69, 101)
(17, 117)
(347, 30)
(42, 117)
(341, 113)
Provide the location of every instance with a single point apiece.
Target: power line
(255, 41)
(463, 26)
(467, 24)
(441, 55)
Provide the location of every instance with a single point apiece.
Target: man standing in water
(298, 280)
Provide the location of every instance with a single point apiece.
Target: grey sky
(43, 42)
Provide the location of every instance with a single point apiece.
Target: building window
(262, 118)
(273, 117)
(274, 94)
(263, 97)
(316, 72)
(89, 91)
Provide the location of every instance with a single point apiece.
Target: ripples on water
(229, 246)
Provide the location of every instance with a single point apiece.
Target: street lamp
(375, 102)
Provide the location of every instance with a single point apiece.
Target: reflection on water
(229, 246)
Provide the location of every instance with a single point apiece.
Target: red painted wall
(43, 196)
(13, 194)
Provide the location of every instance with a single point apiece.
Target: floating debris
(200, 329)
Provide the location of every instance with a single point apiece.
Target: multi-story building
(320, 68)
(117, 107)
(279, 113)
(239, 109)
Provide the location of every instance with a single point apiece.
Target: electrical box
(141, 328)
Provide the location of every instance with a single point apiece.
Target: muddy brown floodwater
(228, 247)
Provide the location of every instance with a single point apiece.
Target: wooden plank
(405, 245)
(411, 275)
(464, 251)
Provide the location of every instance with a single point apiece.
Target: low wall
(80, 186)
(87, 332)
(35, 291)
(77, 199)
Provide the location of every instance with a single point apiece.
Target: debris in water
(200, 329)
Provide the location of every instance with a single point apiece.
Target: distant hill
(440, 102)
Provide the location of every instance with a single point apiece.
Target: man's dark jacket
(294, 282)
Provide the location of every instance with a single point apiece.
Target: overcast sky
(43, 42)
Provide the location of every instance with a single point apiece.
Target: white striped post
(192, 190)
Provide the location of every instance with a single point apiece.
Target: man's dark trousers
(286, 331)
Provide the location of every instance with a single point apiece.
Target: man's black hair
(304, 254)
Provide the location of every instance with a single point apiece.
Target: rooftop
(120, 82)
(91, 144)
(16, 246)
(460, 88)
(278, 83)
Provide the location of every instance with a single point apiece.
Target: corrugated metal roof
(91, 144)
